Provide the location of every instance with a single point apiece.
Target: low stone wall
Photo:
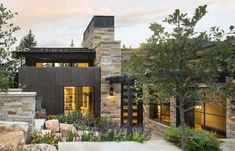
(156, 127)
(18, 106)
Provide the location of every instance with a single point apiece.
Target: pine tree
(72, 43)
(28, 41)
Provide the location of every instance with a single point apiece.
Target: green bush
(71, 118)
(203, 141)
(139, 137)
(196, 140)
(48, 138)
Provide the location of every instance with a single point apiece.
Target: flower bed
(89, 129)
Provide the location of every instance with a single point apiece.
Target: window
(160, 111)
(57, 64)
(78, 98)
(211, 115)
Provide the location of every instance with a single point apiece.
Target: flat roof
(57, 53)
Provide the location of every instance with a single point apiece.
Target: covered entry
(131, 111)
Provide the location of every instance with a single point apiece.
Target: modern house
(90, 79)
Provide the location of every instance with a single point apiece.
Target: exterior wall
(154, 126)
(49, 83)
(108, 58)
(230, 120)
(97, 35)
(18, 106)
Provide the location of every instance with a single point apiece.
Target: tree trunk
(182, 125)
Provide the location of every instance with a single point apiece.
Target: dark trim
(99, 22)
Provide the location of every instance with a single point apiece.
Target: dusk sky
(57, 22)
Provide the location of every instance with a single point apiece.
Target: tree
(72, 43)
(28, 41)
(6, 41)
(170, 61)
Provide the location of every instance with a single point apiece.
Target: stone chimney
(100, 29)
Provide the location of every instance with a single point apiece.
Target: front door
(137, 115)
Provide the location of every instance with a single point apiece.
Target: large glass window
(211, 115)
(78, 98)
(160, 111)
(56, 64)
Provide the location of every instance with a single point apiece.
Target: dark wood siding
(49, 84)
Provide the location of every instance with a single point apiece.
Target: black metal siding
(49, 84)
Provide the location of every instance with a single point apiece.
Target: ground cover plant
(196, 140)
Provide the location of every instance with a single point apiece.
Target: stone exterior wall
(18, 106)
(108, 58)
(97, 35)
(230, 120)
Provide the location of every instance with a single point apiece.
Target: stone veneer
(230, 120)
(18, 106)
(154, 126)
(108, 58)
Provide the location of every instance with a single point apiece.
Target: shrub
(196, 140)
(74, 117)
(48, 138)
(203, 141)
(139, 137)
(51, 117)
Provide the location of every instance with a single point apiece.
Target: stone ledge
(17, 93)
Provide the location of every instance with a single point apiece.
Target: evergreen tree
(72, 43)
(28, 41)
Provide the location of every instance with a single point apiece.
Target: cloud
(139, 14)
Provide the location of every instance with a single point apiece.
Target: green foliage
(139, 137)
(71, 118)
(48, 138)
(6, 41)
(70, 137)
(196, 140)
(51, 117)
(28, 41)
(115, 134)
(175, 61)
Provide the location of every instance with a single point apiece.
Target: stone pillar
(108, 57)
(99, 35)
(230, 119)
(18, 106)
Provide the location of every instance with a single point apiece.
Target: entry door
(137, 107)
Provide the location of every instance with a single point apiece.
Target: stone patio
(152, 145)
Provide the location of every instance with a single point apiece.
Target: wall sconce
(111, 90)
(233, 81)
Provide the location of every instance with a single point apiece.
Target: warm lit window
(78, 98)
(83, 65)
(160, 111)
(211, 115)
(38, 65)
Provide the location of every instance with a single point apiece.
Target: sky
(57, 22)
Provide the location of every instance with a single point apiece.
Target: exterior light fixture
(111, 90)
(233, 81)
(198, 107)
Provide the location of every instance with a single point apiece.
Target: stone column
(230, 119)
(108, 57)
